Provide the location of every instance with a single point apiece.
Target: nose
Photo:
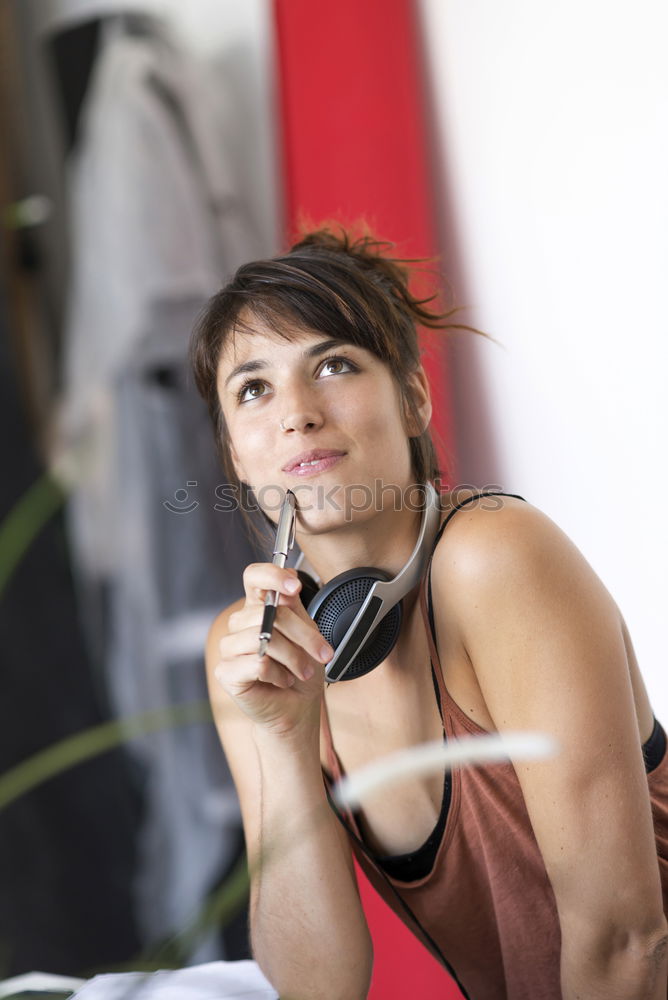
(301, 421)
(303, 413)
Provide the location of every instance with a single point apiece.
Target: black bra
(417, 864)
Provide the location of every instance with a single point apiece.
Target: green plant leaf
(25, 520)
(90, 743)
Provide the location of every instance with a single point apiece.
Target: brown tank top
(486, 909)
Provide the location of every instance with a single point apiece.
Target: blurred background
(148, 148)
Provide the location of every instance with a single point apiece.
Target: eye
(337, 366)
(251, 390)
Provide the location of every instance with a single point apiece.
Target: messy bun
(391, 274)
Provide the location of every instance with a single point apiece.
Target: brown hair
(337, 284)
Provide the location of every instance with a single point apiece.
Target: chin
(355, 503)
(318, 513)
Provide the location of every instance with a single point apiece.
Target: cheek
(377, 419)
(249, 447)
(386, 417)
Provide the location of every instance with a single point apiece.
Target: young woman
(538, 881)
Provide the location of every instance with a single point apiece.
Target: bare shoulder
(507, 580)
(481, 517)
(498, 541)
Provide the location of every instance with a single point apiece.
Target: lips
(316, 460)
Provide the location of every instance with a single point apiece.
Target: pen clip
(285, 534)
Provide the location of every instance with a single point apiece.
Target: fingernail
(308, 673)
(292, 586)
(291, 680)
(326, 653)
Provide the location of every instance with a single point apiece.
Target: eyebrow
(259, 363)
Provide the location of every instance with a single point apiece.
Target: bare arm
(545, 641)
(308, 930)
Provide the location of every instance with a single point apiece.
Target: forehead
(255, 343)
(252, 334)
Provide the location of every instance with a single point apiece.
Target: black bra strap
(654, 750)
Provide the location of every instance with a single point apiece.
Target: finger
(241, 674)
(260, 578)
(300, 630)
(291, 656)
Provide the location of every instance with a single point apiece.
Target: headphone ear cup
(309, 588)
(335, 606)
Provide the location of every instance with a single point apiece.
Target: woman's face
(319, 417)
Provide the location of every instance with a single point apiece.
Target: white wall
(553, 170)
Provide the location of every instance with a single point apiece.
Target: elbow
(640, 964)
(339, 977)
(603, 923)
(621, 962)
(642, 945)
(333, 991)
(652, 952)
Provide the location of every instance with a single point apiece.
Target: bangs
(319, 297)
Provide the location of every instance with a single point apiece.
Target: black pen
(285, 537)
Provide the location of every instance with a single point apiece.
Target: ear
(417, 390)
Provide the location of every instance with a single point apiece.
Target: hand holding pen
(285, 537)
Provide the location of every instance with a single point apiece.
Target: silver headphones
(359, 612)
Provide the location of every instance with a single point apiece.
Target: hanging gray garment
(180, 562)
(156, 227)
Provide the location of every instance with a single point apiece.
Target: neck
(384, 540)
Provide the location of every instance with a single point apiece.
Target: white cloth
(214, 981)
(36, 982)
